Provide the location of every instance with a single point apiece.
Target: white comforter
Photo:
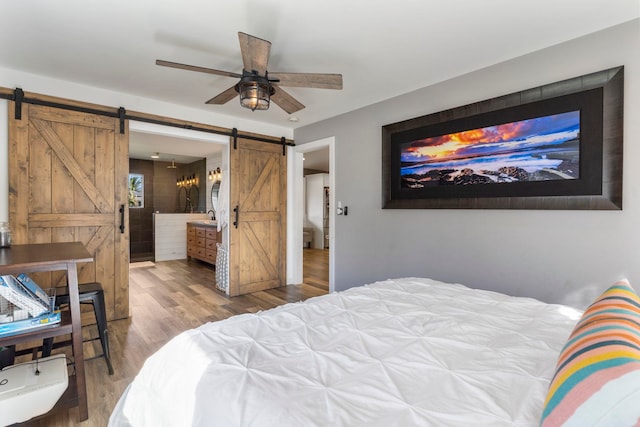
(406, 352)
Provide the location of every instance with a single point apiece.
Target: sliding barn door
(257, 217)
(68, 181)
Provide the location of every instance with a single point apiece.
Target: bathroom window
(136, 190)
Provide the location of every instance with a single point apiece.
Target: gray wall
(555, 256)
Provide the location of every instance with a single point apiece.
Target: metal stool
(90, 293)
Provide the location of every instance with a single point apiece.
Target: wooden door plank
(62, 182)
(39, 174)
(72, 165)
(120, 299)
(259, 251)
(104, 161)
(18, 174)
(63, 219)
(257, 188)
(74, 118)
(84, 156)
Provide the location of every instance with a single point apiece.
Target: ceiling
(169, 148)
(317, 160)
(382, 48)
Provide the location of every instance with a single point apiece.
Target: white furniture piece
(403, 352)
(31, 388)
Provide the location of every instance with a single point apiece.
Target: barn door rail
(18, 96)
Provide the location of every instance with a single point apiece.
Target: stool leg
(7, 355)
(47, 346)
(101, 320)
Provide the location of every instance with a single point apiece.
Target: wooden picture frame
(594, 181)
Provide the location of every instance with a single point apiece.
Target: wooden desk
(51, 257)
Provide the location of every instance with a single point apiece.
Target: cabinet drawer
(200, 242)
(191, 239)
(212, 234)
(200, 232)
(211, 244)
(201, 252)
(211, 256)
(191, 230)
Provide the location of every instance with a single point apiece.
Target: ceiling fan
(257, 86)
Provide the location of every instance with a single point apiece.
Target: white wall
(170, 234)
(4, 160)
(314, 206)
(556, 256)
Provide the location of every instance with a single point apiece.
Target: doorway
(298, 218)
(176, 166)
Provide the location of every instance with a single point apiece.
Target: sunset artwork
(539, 149)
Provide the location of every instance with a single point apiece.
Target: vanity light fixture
(187, 181)
(215, 175)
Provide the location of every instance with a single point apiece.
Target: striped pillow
(597, 379)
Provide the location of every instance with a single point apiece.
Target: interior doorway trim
(295, 209)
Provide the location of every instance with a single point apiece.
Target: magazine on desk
(20, 326)
(24, 305)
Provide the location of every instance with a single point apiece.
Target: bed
(402, 352)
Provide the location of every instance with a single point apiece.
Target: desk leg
(78, 356)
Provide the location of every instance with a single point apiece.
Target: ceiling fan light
(254, 95)
(254, 91)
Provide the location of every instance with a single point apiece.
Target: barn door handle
(237, 211)
(122, 219)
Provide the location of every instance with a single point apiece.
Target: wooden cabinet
(201, 241)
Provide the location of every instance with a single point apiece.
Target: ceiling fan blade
(224, 97)
(316, 80)
(285, 101)
(196, 68)
(255, 53)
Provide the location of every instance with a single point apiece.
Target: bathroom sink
(206, 222)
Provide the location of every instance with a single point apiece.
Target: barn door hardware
(122, 115)
(121, 219)
(18, 97)
(237, 212)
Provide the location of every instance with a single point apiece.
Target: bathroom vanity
(202, 238)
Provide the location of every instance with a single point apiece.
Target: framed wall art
(136, 190)
(557, 146)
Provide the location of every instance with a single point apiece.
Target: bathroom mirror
(193, 199)
(188, 199)
(215, 188)
(182, 200)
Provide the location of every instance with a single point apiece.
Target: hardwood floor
(167, 298)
